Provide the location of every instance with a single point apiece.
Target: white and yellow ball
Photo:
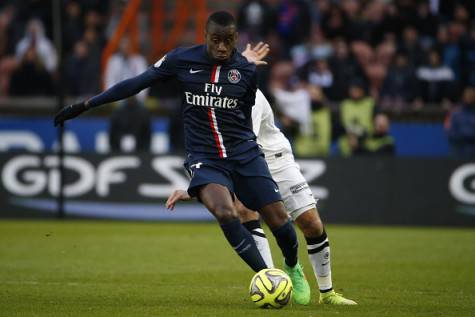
(271, 288)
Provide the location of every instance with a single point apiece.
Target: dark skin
(220, 41)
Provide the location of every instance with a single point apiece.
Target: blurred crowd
(29, 58)
(364, 58)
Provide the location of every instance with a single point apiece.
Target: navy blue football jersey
(217, 100)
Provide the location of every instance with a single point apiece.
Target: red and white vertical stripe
(218, 138)
(215, 73)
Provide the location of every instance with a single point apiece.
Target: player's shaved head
(221, 35)
(221, 18)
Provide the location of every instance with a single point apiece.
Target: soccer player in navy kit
(223, 158)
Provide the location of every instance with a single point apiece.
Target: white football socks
(254, 227)
(319, 254)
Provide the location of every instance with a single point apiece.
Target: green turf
(141, 269)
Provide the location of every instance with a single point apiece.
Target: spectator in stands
(80, 71)
(8, 63)
(130, 124)
(436, 82)
(131, 120)
(399, 86)
(94, 47)
(130, 128)
(371, 61)
(344, 67)
(410, 44)
(125, 64)
(356, 117)
(380, 142)
(316, 143)
(461, 126)
(4, 22)
(391, 23)
(448, 45)
(376, 70)
(31, 78)
(461, 15)
(366, 26)
(426, 23)
(72, 25)
(94, 32)
(292, 100)
(293, 22)
(255, 20)
(318, 73)
(94, 20)
(35, 37)
(318, 47)
(407, 12)
(333, 23)
(468, 57)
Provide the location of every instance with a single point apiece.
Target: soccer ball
(271, 288)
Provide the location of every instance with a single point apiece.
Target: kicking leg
(218, 200)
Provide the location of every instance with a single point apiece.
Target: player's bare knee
(224, 213)
(274, 215)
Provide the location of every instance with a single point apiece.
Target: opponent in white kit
(298, 200)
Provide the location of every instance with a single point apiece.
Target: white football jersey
(269, 137)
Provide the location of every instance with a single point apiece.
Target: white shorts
(297, 196)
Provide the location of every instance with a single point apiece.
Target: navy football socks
(287, 241)
(242, 242)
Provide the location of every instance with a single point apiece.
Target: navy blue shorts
(250, 181)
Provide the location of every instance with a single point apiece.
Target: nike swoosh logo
(195, 71)
(323, 264)
(276, 190)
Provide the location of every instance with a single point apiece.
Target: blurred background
(377, 98)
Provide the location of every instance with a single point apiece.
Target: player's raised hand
(257, 53)
(69, 112)
(176, 196)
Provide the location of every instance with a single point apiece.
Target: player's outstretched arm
(257, 53)
(121, 90)
(177, 195)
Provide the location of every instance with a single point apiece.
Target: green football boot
(334, 298)
(301, 289)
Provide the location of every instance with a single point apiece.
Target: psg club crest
(234, 76)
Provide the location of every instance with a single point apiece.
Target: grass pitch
(85, 268)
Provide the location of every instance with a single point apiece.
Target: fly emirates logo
(212, 98)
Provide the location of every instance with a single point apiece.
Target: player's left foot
(301, 289)
(334, 298)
